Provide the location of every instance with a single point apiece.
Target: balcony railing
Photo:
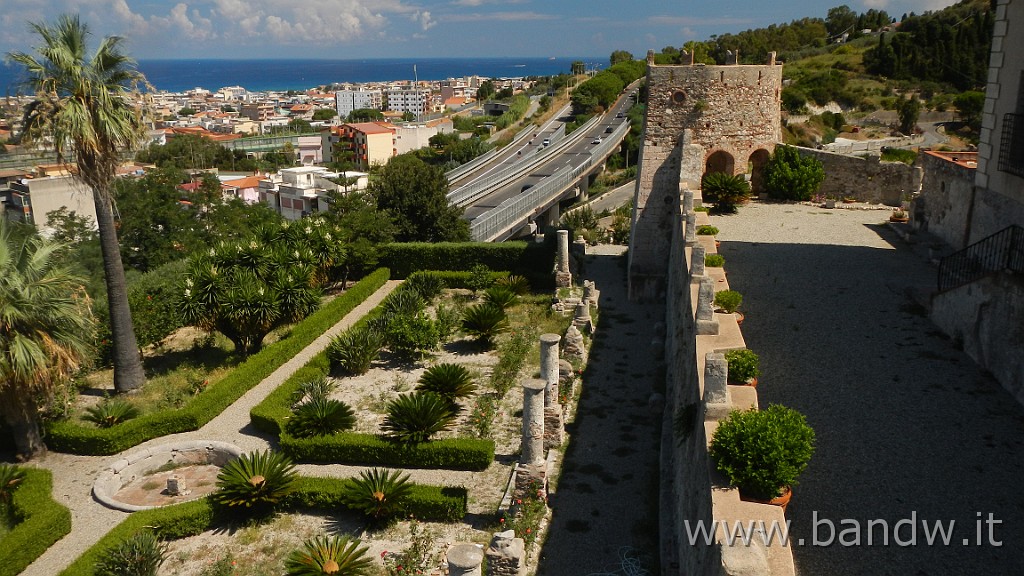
(1002, 251)
(1011, 146)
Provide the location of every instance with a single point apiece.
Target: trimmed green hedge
(432, 503)
(67, 436)
(529, 259)
(41, 521)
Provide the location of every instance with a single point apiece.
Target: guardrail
(459, 172)
(465, 195)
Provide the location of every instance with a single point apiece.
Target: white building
(348, 100)
(415, 100)
(305, 190)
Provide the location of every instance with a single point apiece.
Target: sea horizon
(277, 74)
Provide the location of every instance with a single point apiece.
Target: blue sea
(295, 74)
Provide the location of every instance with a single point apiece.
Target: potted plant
(899, 215)
(729, 301)
(744, 367)
(762, 452)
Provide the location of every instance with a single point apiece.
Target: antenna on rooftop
(415, 75)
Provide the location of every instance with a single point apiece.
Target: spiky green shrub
(707, 230)
(320, 417)
(335, 555)
(728, 300)
(378, 493)
(110, 412)
(726, 190)
(451, 382)
(140, 555)
(428, 286)
(484, 322)
(414, 418)
(402, 303)
(314, 389)
(10, 478)
(257, 481)
(501, 297)
(714, 260)
(517, 284)
(355, 349)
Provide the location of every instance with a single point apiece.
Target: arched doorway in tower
(756, 165)
(720, 161)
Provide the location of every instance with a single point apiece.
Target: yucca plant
(355, 349)
(414, 418)
(337, 555)
(378, 493)
(427, 285)
(451, 382)
(257, 481)
(110, 412)
(140, 555)
(484, 321)
(317, 388)
(403, 302)
(320, 417)
(10, 478)
(501, 297)
(517, 284)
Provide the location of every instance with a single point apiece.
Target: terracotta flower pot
(781, 501)
(752, 383)
(739, 317)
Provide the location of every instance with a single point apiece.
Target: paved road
(907, 425)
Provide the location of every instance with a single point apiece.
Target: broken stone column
(706, 322)
(574, 344)
(691, 228)
(563, 279)
(465, 560)
(697, 254)
(566, 378)
(590, 293)
(687, 200)
(549, 366)
(582, 320)
(176, 487)
(533, 422)
(506, 556)
(716, 390)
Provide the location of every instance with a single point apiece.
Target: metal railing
(1011, 145)
(1002, 251)
(456, 174)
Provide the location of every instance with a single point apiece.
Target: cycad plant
(317, 388)
(427, 285)
(485, 321)
(10, 478)
(725, 190)
(379, 494)
(501, 296)
(320, 417)
(337, 555)
(451, 382)
(110, 412)
(517, 284)
(140, 555)
(403, 302)
(414, 418)
(256, 481)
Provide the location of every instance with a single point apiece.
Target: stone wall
(947, 192)
(866, 179)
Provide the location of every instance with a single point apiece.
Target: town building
(363, 143)
(357, 99)
(418, 101)
(303, 191)
(30, 200)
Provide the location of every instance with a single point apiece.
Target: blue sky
(414, 28)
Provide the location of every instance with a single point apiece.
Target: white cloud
(498, 17)
(474, 3)
(424, 19)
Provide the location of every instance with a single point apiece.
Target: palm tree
(83, 107)
(46, 327)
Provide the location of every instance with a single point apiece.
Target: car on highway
(609, 130)
(596, 140)
(619, 115)
(547, 141)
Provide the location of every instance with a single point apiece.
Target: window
(1011, 146)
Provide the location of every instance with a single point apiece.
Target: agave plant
(517, 284)
(484, 321)
(403, 302)
(378, 493)
(501, 297)
(427, 285)
(337, 555)
(414, 418)
(317, 388)
(110, 412)
(257, 480)
(320, 417)
(140, 555)
(449, 381)
(10, 478)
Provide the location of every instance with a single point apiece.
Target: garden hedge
(431, 503)
(67, 436)
(531, 259)
(40, 521)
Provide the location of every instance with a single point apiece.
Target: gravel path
(906, 423)
(73, 475)
(607, 496)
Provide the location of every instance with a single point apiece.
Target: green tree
(908, 111)
(485, 91)
(186, 111)
(970, 104)
(413, 193)
(790, 176)
(839, 20)
(365, 115)
(578, 68)
(45, 332)
(85, 106)
(408, 116)
(620, 56)
(322, 114)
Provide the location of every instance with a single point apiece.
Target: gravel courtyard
(908, 426)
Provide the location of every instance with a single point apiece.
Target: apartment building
(364, 143)
(415, 100)
(257, 111)
(348, 100)
(31, 199)
(305, 190)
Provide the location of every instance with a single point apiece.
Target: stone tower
(699, 119)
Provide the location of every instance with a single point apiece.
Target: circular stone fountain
(163, 475)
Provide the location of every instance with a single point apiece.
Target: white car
(596, 140)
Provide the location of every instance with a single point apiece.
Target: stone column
(574, 344)
(581, 319)
(706, 322)
(465, 560)
(716, 391)
(687, 200)
(549, 366)
(563, 279)
(697, 254)
(691, 228)
(506, 556)
(590, 293)
(533, 423)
